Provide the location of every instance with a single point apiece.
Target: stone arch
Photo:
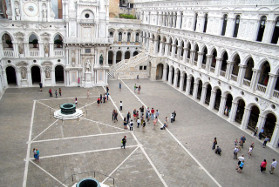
(159, 71)
(127, 55)
(11, 75)
(59, 73)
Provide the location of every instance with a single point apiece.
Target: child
(120, 105)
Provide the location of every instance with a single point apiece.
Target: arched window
(236, 26)
(128, 37)
(137, 37)
(275, 35)
(261, 28)
(120, 36)
(7, 41)
(205, 22)
(58, 41)
(195, 21)
(225, 20)
(111, 34)
(33, 40)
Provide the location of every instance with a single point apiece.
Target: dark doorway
(253, 119)
(240, 111)
(110, 57)
(192, 86)
(11, 75)
(269, 125)
(59, 74)
(159, 72)
(208, 94)
(36, 74)
(217, 99)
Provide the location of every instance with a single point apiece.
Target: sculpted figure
(47, 72)
(87, 65)
(23, 73)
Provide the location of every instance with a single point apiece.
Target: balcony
(276, 94)
(246, 82)
(8, 53)
(34, 52)
(58, 52)
(261, 88)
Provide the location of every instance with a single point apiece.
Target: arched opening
(118, 56)
(120, 36)
(224, 64)
(217, 99)
(275, 35)
(159, 72)
(11, 75)
(58, 41)
(110, 57)
(264, 76)
(195, 22)
(128, 37)
(225, 20)
(228, 104)
(185, 82)
(172, 77)
(36, 74)
(236, 26)
(33, 41)
(176, 47)
(196, 53)
(182, 49)
(236, 62)
(59, 74)
(192, 85)
(204, 57)
(7, 41)
(137, 37)
(213, 61)
(269, 125)
(208, 94)
(261, 29)
(127, 54)
(178, 79)
(248, 72)
(158, 44)
(253, 119)
(164, 46)
(239, 111)
(276, 88)
(205, 23)
(189, 51)
(168, 69)
(199, 90)
(170, 46)
(135, 53)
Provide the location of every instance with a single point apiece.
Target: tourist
(240, 167)
(76, 102)
(152, 113)
(107, 96)
(242, 141)
(226, 111)
(141, 110)
(123, 142)
(235, 151)
(135, 88)
(60, 92)
(113, 113)
(172, 118)
(139, 88)
(174, 115)
(125, 123)
(41, 86)
(88, 93)
(115, 116)
(235, 142)
(120, 105)
(98, 100)
(138, 122)
(250, 151)
(50, 92)
(128, 116)
(107, 89)
(131, 125)
(157, 114)
(265, 141)
(273, 166)
(56, 93)
(119, 85)
(155, 121)
(214, 143)
(218, 150)
(240, 159)
(263, 165)
(260, 134)
(164, 126)
(143, 123)
(101, 98)
(104, 98)
(35, 153)
(134, 114)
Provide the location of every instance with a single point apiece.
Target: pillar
(188, 85)
(178, 53)
(208, 62)
(233, 111)
(218, 66)
(51, 50)
(184, 54)
(229, 69)
(41, 49)
(161, 49)
(261, 122)
(178, 20)
(241, 74)
(15, 48)
(5, 77)
(29, 77)
(170, 76)
(53, 77)
(195, 91)
(268, 31)
(43, 77)
(114, 58)
(165, 73)
(122, 55)
(175, 78)
(173, 50)
(255, 77)
(245, 118)
(271, 85)
(192, 56)
(203, 94)
(181, 82)
(199, 63)
(155, 50)
(26, 49)
(275, 136)
(18, 76)
(1, 49)
(222, 106)
(167, 49)
(212, 99)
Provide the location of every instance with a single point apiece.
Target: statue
(87, 65)
(23, 73)
(47, 72)
(101, 60)
(46, 48)
(20, 48)
(73, 58)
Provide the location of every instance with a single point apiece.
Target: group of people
(137, 87)
(56, 93)
(238, 146)
(36, 154)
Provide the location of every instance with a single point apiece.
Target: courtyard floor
(74, 149)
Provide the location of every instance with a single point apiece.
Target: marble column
(192, 56)
(245, 118)
(175, 79)
(208, 62)
(218, 66)
(51, 49)
(178, 20)
(167, 49)
(29, 77)
(178, 53)
(170, 76)
(199, 63)
(188, 85)
(181, 82)
(195, 91)
(233, 111)
(18, 77)
(255, 77)
(212, 99)
(222, 106)
(241, 74)
(271, 85)
(53, 78)
(173, 50)
(261, 122)
(15, 48)
(275, 136)
(268, 31)
(229, 69)
(165, 73)
(26, 49)
(184, 54)
(203, 94)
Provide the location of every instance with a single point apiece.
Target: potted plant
(35, 43)
(58, 43)
(10, 44)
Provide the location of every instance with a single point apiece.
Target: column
(167, 49)
(254, 81)
(122, 55)
(170, 76)
(15, 48)
(29, 77)
(5, 78)
(212, 99)
(184, 54)
(195, 91)
(230, 25)
(218, 66)
(199, 63)
(229, 68)
(155, 51)
(233, 112)
(173, 50)
(114, 58)
(178, 20)
(26, 49)
(188, 85)
(161, 49)
(41, 49)
(261, 122)
(165, 73)
(275, 136)
(160, 18)
(51, 50)
(268, 31)
(1, 49)
(222, 106)
(181, 82)
(53, 77)
(18, 76)
(271, 84)
(203, 95)
(43, 77)
(179, 52)
(175, 79)
(192, 56)
(208, 62)
(241, 74)
(245, 118)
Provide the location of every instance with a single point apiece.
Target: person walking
(139, 88)
(41, 86)
(131, 125)
(35, 153)
(214, 143)
(265, 141)
(263, 165)
(172, 118)
(113, 113)
(240, 167)
(135, 88)
(218, 150)
(56, 93)
(123, 142)
(261, 133)
(250, 151)
(60, 92)
(174, 115)
(128, 116)
(242, 141)
(50, 92)
(152, 113)
(104, 98)
(101, 98)
(235, 151)
(273, 166)
(240, 159)
(141, 110)
(125, 123)
(120, 105)
(143, 123)
(115, 116)
(119, 85)
(88, 93)
(157, 114)
(76, 101)
(155, 121)
(138, 122)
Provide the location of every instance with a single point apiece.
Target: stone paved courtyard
(74, 149)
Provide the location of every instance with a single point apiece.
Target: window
(140, 68)
(87, 16)
(87, 50)
(144, 67)
(261, 28)
(236, 26)
(128, 37)
(225, 20)
(275, 35)
(205, 22)
(137, 37)
(196, 19)
(120, 36)
(111, 34)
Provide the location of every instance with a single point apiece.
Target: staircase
(127, 66)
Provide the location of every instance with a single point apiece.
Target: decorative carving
(263, 104)
(23, 72)
(73, 58)
(101, 60)
(87, 66)
(47, 71)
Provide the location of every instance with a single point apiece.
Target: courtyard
(90, 146)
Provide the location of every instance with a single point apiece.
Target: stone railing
(34, 52)
(223, 73)
(246, 82)
(276, 94)
(234, 77)
(212, 69)
(59, 52)
(8, 53)
(261, 88)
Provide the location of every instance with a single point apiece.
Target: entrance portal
(36, 74)
(59, 74)
(11, 75)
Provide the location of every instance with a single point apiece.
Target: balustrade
(246, 82)
(261, 88)
(276, 94)
(233, 77)
(8, 53)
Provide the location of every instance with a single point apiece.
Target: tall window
(128, 37)
(196, 19)
(225, 20)
(137, 37)
(120, 36)
(261, 28)
(236, 25)
(205, 22)
(275, 35)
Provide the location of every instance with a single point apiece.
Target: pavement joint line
(88, 104)
(103, 124)
(183, 147)
(58, 98)
(120, 165)
(29, 146)
(77, 137)
(48, 173)
(45, 105)
(44, 130)
(84, 152)
(141, 146)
